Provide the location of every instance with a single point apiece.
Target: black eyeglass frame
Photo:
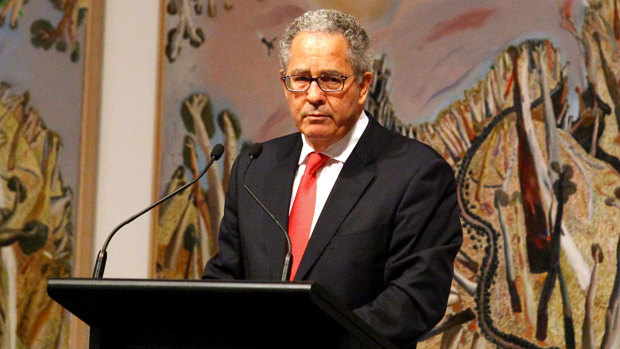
(316, 79)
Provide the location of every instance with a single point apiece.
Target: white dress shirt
(326, 176)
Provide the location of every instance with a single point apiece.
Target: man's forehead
(319, 38)
(310, 47)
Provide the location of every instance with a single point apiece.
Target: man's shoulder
(281, 141)
(275, 148)
(281, 144)
(398, 145)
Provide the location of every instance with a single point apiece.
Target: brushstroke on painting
(39, 152)
(534, 141)
(36, 233)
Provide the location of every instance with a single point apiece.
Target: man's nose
(315, 95)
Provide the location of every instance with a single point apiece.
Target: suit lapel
(354, 178)
(278, 189)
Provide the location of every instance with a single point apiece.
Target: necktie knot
(315, 161)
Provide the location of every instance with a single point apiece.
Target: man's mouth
(317, 115)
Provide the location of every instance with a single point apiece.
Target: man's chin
(318, 132)
(320, 139)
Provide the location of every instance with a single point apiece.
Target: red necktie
(302, 213)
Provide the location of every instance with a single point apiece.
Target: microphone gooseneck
(254, 153)
(216, 154)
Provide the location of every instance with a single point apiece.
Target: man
(382, 228)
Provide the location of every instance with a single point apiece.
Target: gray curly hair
(359, 53)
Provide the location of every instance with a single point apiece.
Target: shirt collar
(340, 150)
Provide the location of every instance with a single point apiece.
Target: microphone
(216, 153)
(255, 151)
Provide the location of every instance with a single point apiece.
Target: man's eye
(333, 79)
(300, 78)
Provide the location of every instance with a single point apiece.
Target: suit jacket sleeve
(419, 269)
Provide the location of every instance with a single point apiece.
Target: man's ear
(364, 86)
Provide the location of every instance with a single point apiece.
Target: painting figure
(41, 51)
(534, 143)
(36, 233)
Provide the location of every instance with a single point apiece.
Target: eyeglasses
(326, 82)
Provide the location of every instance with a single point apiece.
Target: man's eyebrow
(323, 72)
(332, 72)
(300, 72)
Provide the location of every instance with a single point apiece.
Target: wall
(127, 129)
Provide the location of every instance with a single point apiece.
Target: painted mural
(521, 98)
(39, 153)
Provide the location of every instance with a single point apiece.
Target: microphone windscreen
(217, 151)
(255, 150)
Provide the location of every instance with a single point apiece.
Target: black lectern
(158, 314)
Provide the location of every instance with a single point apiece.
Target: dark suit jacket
(384, 243)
